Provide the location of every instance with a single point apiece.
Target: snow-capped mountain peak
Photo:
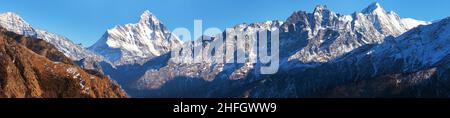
(148, 18)
(135, 42)
(374, 8)
(373, 22)
(13, 22)
(13, 16)
(320, 8)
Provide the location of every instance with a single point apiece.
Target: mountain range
(370, 53)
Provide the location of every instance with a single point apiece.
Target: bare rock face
(32, 68)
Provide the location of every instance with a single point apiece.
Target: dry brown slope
(32, 68)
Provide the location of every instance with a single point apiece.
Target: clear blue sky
(85, 21)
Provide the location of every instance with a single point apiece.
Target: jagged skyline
(323, 49)
(70, 19)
